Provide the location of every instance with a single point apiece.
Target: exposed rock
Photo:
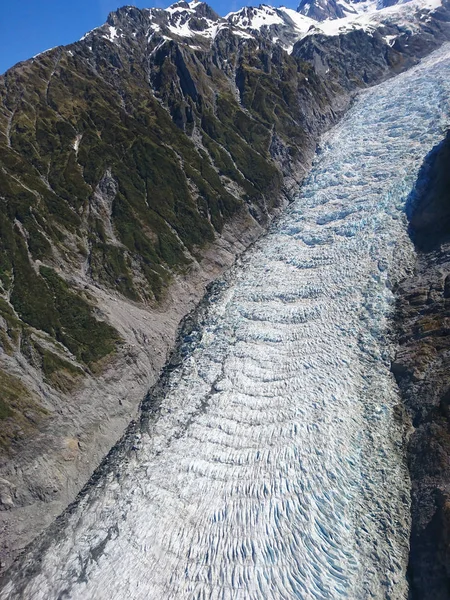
(320, 10)
(422, 367)
(429, 213)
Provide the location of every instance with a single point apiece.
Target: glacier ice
(274, 467)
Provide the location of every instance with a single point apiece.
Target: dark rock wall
(422, 370)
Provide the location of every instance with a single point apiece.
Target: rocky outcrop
(320, 10)
(422, 368)
(136, 164)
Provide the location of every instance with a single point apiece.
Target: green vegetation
(75, 326)
(58, 372)
(45, 301)
(110, 265)
(135, 193)
(20, 413)
(5, 410)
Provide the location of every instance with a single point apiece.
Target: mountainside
(135, 164)
(421, 368)
(322, 10)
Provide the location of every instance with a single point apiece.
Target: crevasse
(275, 468)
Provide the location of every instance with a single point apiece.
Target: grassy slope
(170, 195)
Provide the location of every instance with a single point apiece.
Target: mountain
(421, 369)
(321, 10)
(136, 164)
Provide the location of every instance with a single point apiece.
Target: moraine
(275, 465)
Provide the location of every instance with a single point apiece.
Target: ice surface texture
(275, 469)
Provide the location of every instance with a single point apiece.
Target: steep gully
(271, 462)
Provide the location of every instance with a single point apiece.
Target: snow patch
(44, 52)
(111, 34)
(390, 39)
(77, 142)
(182, 30)
(88, 33)
(175, 8)
(242, 34)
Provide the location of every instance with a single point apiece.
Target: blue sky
(28, 27)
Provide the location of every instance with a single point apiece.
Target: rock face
(136, 164)
(321, 10)
(422, 367)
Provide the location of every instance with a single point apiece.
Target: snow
(265, 16)
(44, 52)
(302, 23)
(76, 143)
(89, 33)
(179, 22)
(164, 40)
(181, 9)
(361, 15)
(181, 30)
(250, 19)
(401, 14)
(390, 39)
(155, 28)
(242, 34)
(255, 18)
(111, 34)
(212, 31)
(358, 7)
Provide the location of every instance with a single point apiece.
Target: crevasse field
(275, 467)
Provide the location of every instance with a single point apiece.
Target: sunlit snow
(406, 14)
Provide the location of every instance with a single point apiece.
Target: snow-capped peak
(322, 10)
(197, 25)
(267, 16)
(255, 18)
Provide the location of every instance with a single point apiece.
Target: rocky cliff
(135, 165)
(422, 370)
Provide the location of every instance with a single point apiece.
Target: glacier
(274, 467)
